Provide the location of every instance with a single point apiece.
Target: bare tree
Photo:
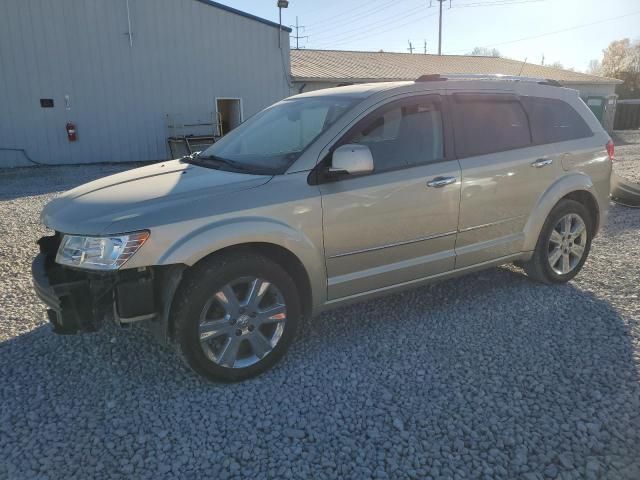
(561, 66)
(595, 67)
(621, 60)
(617, 58)
(485, 52)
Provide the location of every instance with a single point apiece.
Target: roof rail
(484, 76)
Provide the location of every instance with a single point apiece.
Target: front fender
(197, 244)
(563, 186)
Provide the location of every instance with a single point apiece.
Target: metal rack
(186, 137)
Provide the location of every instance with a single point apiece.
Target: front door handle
(542, 162)
(439, 182)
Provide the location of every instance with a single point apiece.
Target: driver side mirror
(351, 159)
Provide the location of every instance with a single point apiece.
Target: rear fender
(562, 187)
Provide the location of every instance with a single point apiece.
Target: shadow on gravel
(483, 375)
(617, 223)
(619, 138)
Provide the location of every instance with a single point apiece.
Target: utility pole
(440, 29)
(425, 47)
(297, 35)
(410, 47)
(439, 23)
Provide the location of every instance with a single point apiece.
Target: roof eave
(604, 81)
(346, 79)
(294, 78)
(245, 14)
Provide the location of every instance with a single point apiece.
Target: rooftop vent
(434, 77)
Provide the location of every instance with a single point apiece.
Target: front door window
(402, 134)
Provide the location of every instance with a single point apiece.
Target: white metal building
(127, 74)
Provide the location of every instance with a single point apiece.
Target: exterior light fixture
(281, 4)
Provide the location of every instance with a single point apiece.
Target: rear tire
(235, 316)
(563, 245)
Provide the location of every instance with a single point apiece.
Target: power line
(344, 13)
(343, 22)
(387, 20)
(495, 3)
(297, 35)
(366, 35)
(363, 31)
(354, 34)
(575, 27)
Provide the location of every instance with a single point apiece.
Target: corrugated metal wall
(184, 55)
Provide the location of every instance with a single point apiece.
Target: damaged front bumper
(81, 300)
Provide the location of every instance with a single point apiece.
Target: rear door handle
(439, 182)
(542, 162)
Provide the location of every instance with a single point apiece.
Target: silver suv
(327, 198)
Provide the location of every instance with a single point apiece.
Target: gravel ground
(627, 163)
(486, 376)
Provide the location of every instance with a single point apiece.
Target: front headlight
(99, 253)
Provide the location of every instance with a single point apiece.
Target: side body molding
(213, 237)
(561, 187)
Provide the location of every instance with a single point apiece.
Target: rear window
(489, 123)
(553, 120)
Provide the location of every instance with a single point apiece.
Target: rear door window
(554, 120)
(488, 123)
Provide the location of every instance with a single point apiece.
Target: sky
(571, 32)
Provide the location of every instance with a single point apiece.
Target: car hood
(132, 198)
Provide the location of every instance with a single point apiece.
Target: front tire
(235, 316)
(563, 245)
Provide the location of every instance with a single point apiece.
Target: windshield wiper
(213, 161)
(191, 158)
(231, 163)
(207, 161)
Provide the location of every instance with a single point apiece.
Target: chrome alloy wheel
(567, 244)
(242, 323)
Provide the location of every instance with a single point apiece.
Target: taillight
(611, 149)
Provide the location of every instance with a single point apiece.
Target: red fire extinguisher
(72, 133)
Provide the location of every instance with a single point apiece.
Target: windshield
(274, 138)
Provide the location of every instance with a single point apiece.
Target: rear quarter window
(487, 123)
(554, 120)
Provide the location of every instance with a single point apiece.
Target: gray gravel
(627, 163)
(486, 376)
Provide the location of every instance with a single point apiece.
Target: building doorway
(228, 114)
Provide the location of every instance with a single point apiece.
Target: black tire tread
(537, 267)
